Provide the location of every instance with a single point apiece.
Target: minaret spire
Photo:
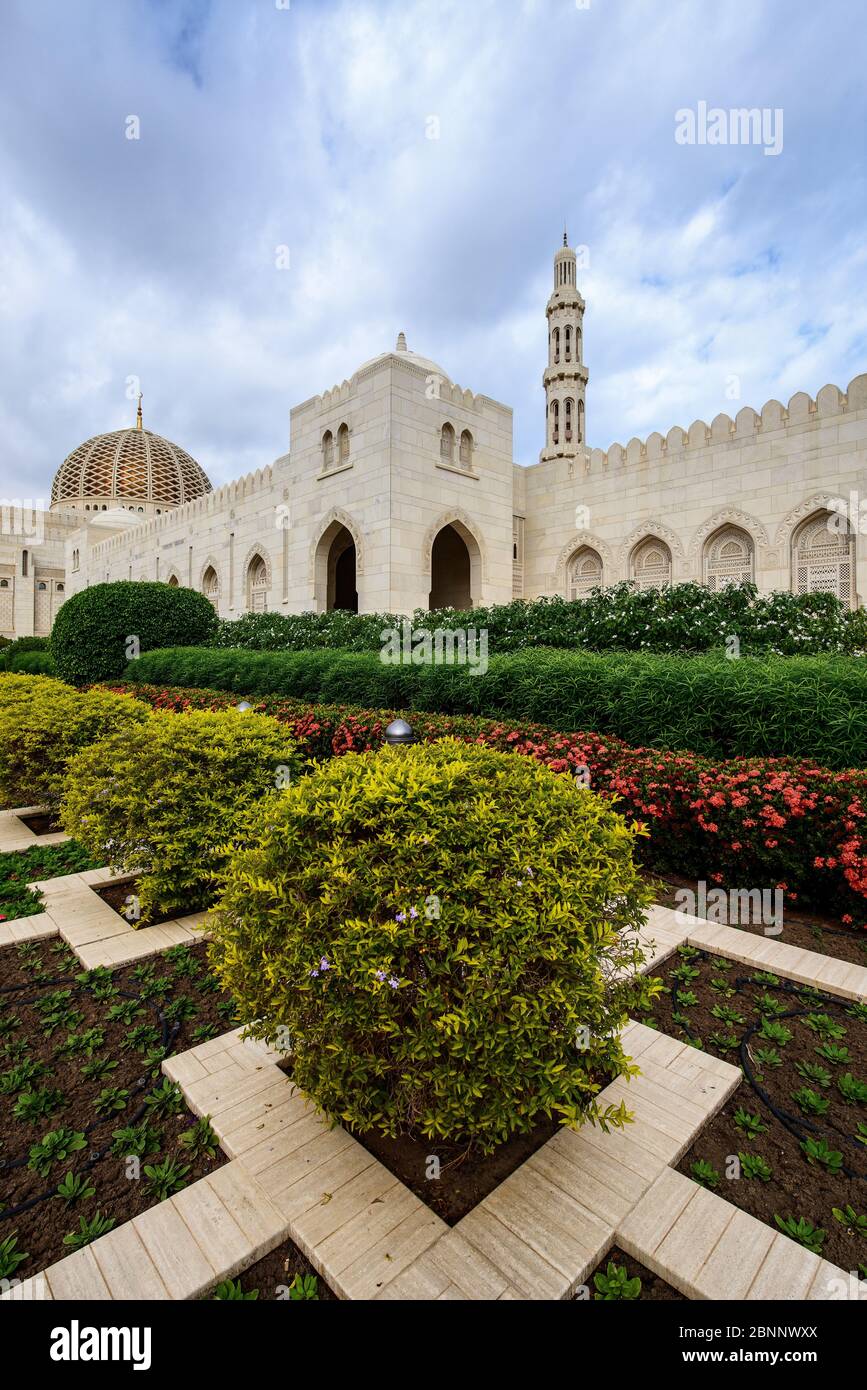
(138, 419)
(565, 376)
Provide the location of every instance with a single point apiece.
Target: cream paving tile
(384, 1261)
(360, 1194)
(467, 1268)
(182, 1265)
(692, 1240)
(420, 1281)
(316, 1173)
(125, 1265)
(527, 1271)
(250, 1207)
(77, 1278)
(550, 1222)
(224, 1244)
(733, 1264)
(592, 1194)
(651, 1219)
(786, 1272)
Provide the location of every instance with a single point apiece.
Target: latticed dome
(132, 467)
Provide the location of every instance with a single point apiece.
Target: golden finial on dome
(138, 419)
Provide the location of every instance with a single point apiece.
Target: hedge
(751, 822)
(447, 938)
(680, 618)
(44, 723)
(168, 798)
(97, 630)
(28, 654)
(809, 707)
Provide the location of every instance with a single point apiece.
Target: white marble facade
(401, 492)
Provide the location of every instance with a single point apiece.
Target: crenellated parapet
(747, 426)
(261, 480)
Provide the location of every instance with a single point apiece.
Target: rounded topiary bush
(167, 799)
(99, 630)
(43, 724)
(435, 932)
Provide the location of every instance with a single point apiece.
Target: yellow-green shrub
(166, 799)
(44, 723)
(434, 931)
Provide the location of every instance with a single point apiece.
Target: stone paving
(14, 834)
(97, 934)
(537, 1236)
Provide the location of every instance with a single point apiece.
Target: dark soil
(653, 1289)
(801, 928)
(41, 823)
(273, 1274)
(796, 1187)
(118, 892)
(465, 1177)
(168, 1004)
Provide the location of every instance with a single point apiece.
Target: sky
(311, 177)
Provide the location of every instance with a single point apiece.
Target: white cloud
(307, 128)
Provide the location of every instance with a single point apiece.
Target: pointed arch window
(257, 585)
(555, 422)
(466, 449)
(823, 558)
(580, 435)
(568, 420)
(556, 345)
(343, 444)
(728, 558)
(568, 342)
(447, 443)
(651, 564)
(211, 586)
(327, 450)
(583, 573)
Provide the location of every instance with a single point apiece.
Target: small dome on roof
(401, 350)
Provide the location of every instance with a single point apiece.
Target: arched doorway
(450, 571)
(342, 590)
(336, 568)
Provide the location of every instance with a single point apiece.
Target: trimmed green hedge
(680, 618)
(805, 707)
(28, 654)
(95, 631)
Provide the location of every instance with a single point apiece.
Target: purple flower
(324, 963)
(313, 974)
(393, 982)
(380, 975)
(400, 917)
(413, 912)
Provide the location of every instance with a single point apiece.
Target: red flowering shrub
(773, 822)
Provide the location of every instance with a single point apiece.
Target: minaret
(565, 376)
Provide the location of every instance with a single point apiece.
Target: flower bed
(91, 1134)
(790, 1146)
(283, 1275)
(621, 1279)
(24, 866)
(753, 822)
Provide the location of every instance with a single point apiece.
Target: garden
(294, 1006)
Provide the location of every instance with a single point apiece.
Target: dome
(403, 352)
(128, 466)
